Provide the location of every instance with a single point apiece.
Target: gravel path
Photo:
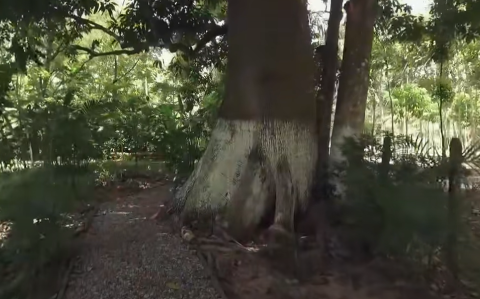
(127, 255)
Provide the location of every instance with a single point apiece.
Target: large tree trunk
(354, 76)
(262, 153)
(327, 77)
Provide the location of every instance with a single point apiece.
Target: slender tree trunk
(389, 90)
(326, 93)
(382, 113)
(440, 112)
(374, 114)
(392, 111)
(405, 119)
(353, 86)
(262, 153)
(473, 124)
(456, 130)
(429, 132)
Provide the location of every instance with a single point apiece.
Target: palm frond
(471, 156)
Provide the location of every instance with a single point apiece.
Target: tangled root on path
(252, 271)
(162, 214)
(249, 275)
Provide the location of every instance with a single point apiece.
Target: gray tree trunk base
(248, 169)
(338, 158)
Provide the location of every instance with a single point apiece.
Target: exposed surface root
(248, 169)
(251, 274)
(256, 271)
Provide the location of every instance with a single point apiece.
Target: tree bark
(326, 93)
(262, 153)
(354, 76)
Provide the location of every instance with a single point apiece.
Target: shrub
(400, 212)
(35, 203)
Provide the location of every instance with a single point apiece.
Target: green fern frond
(408, 145)
(98, 105)
(471, 156)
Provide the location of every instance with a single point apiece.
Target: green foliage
(36, 203)
(443, 91)
(63, 116)
(410, 101)
(465, 108)
(399, 209)
(79, 109)
(396, 21)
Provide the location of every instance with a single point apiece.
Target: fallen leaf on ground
(187, 234)
(173, 285)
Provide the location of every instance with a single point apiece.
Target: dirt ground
(126, 256)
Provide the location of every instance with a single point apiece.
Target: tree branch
(210, 36)
(93, 25)
(92, 53)
(126, 73)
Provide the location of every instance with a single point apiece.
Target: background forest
(80, 109)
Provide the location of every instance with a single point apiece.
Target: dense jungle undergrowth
(98, 95)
